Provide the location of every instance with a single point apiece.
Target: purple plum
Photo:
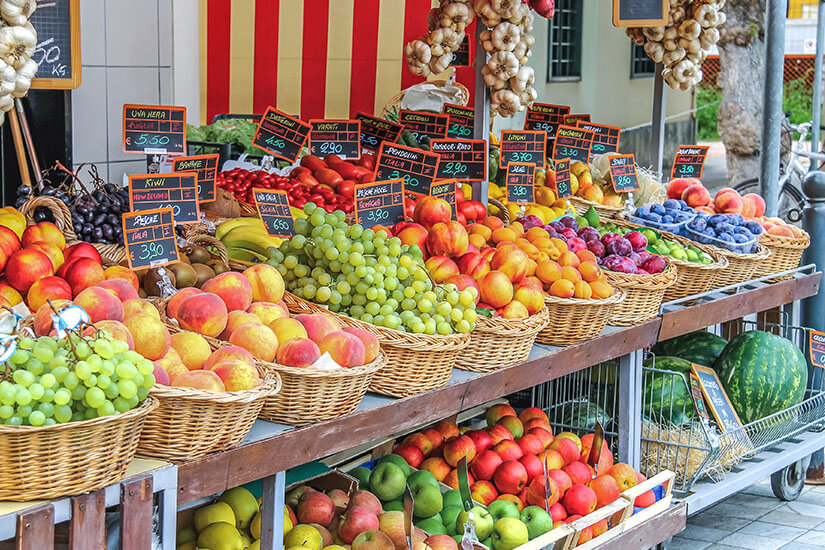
(589, 234)
(570, 222)
(620, 246)
(596, 247)
(654, 264)
(575, 244)
(557, 226)
(568, 233)
(637, 240)
(624, 265)
(609, 237)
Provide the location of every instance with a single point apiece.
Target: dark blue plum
(727, 237)
(740, 238)
(754, 228)
(656, 218)
(657, 209)
(672, 204)
(668, 218)
(699, 224)
(642, 212)
(716, 219)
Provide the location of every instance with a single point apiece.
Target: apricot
(136, 305)
(286, 328)
(123, 290)
(318, 325)
(481, 229)
(590, 271)
(298, 352)
(514, 310)
(152, 339)
(495, 289)
(569, 259)
(257, 339)
(49, 288)
(535, 233)
(560, 245)
(267, 284)
(177, 299)
(503, 234)
(228, 352)
(585, 255)
(266, 312)
(199, 380)
(493, 223)
(26, 266)
(100, 304)
(370, 341)
(571, 274)
(10, 293)
(192, 349)
(548, 271)
(121, 272)
(562, 289)
(517, 228)
(530, 293)
(582, 289)
(204, 313)
(542, 242)
(531, 251)
(345, 349)
(233, 288)
(601, 289)
(477, 240)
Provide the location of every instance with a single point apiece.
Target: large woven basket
(213, 245)
(48, 462)
(314, 395)
(643, 294)
(191, 423)
(496, 343)
(605, 212)
(503, 214)
(575, 320)
(786, 253)
(741, 267)
(415, 362)
(393, 105)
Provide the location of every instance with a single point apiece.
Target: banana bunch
(246, 239)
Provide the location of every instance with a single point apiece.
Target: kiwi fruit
(184, 258)
(204, 273)
(185, 274)
(152, 278)
(197, 254)
(217, 266)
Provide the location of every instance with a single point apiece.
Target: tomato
(481, 210)
(367, 160)
(307, 180)
(347, 170)
(328, 177)
(467, 209)
(347, 188)
(368, 177)
(409, 208)
(332, 159)
(313, 162)
(460, 218)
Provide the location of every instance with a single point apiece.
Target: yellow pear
(255, 525)
(220, 536)
(303, 535)
(243, 505)
(214, 513)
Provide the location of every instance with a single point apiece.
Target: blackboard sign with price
(446, 189)
(57, 54)
(572, 120)
(176, 191)
(417, 168)
(375, 131)
(206, 167)
(461, 121)
(464, 159)
(149, 238)
(273, 208)
(816, 345)
(717, 399)
(640, 13)
(563, 188)
(154, 129)
(420, 124)
(547, 117)
(528, 146)
(335, 137)
(605, 138)
(623, 173)
(689, 161)
(379, 203)
(573, 143)
(520, 182)
(280, 134)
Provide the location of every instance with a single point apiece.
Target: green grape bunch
(48, 381)
(369, 276)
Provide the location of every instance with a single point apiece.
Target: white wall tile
(128, 85)
(165, 34)
(166, 88)
(132, 33)
(117, 169)
(92, 32)
(89, 117)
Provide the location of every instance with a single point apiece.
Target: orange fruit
(590, 271)
(503, 234)
(570, 273)
(548, 271)
(531, 267)
(531, 251)
(586, 256)
(562, 289)
(560, 245)
(493, 223)
(569, 258)
(536, 233)
(554, 253)
(601, 289)
(582, 290)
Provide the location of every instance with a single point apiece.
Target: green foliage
(797, 98)
(707, 105)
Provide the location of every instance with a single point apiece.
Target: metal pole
(772, 104)
(630, 408)
(817, 99)
(657, 138)
(481, 120)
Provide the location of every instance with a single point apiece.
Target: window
(564, 57)
(640, 63)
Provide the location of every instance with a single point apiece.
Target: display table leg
(35, 528)
(272, 512)
(630, 408)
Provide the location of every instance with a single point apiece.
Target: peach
(123, 273)
(530, 294)
(298, 352)
(177, 299)
(81, 273)
(513, 310)
(123, 290)
(464, 281)
(441, 268)
(447, 239)
(757, 202)
(729, 202)
(677, 186)
(286, 328)
(43, 231)
(495, 289)
(117, 329)
(81, 250)
(100, 304)
(431, 210)
(318, 325)
(199, 380)
(227, 352)
(237, 375)
(10, 294)
(50, 288)
(152, 339)
(235, 319)
(474, 264)
(511, 261)
(54, 252)
(43, 316)
(267, 284)
(696, 195)
(257, 339)
(192, 349)
(370, 341)
(172, 366)
(266, 312)
(345, 349)
(781, 230)
(161, 376)
(233, 288)
(136, 305)
(414, 234)
(9, 241)
(204, 313)
(26, 266)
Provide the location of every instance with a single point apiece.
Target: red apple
(481, 439)
(510, 477)
(484, 465)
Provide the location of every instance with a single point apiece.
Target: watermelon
(762, 374)
(582, 414)
(667, 396)
(700, 347)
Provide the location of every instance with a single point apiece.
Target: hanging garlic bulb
(23, 78)
(17, 44)
(8, 77)
(17, 12)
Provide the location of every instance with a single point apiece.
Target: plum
(636, 258)
(740, 238)
(657, 209)
(620, 246)
(716, 219)
(698, 224)
(672, 204)
(623, 265)
(607, 238)
(596, 247)
(644, 255)
(637, 240)
(642, 212)
(640, 271)
(568, 233)
(569, 221)
(575, 244)
(727, 237)
(608, 261)
(667, 218)
(589, 234)
(557, 226)
(685, 207)
(533, 219)
(654, 264)
(754, 227)
(655, 218)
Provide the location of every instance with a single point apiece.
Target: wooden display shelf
(651, 532)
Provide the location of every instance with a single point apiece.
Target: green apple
(448, 516)
(431, 526)
(398, 461)
(387, 481)
(452, 498)
(394, 506)
(509, 533)
(537, 520)
(457, 539)
(488, 542)
(421, 476)
(502, 509)
(483, 520)
(427, 500)
(363, 476)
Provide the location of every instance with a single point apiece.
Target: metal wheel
(791, 199)
(788, 482)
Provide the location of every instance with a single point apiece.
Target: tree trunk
(742, 68)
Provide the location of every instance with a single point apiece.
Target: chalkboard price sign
(816, 345)
(335, 137)
(689, 161)
(206, 167)
(461, 121)
(421, 124)
(375, 131)
(623, 173)
(150, 129)
(149, 238)
(57, 53)
(572, 120)
(716, 398)
(464, 159)
(520, 182)
(696, 394)
(446, 189)
(417, 168)
(546, 117)
(461, 57)
(177, 191)
(528, 146)
(605, 138)
(281, 134)
(563, 187)
(380, 203)
(640, 13)
(573, 143)
(273, 208)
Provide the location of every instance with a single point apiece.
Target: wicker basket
(786, 253)
(191, 423)
(314, 395)
(48, 462)
(415, 362)
(741, 267)
(605, 212)
(393, 105)
(503, 213)
(643, 294)
(211, 244)
(574, 320)
(496, 343)
(60, 212)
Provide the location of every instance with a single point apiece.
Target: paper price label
(417, 168)
(461, 121)
(375, 131)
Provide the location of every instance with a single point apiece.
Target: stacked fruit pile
(547, 206)
(599, 191)
(246, 239)
(232, 522)
(196, 266)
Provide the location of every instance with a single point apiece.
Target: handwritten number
(150, 251)
(328, 148)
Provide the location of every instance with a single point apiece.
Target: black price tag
(375, 131)
(605, 138)
(416, 167)
(461, 57)
(206, 168)
(380, 203)
(717, 399)
(528, 146)
(573, 143)
(520, 182)
(689, 161)
(273, 208)
(464, 159)
(177, 191)
(563, 188)
(154, 129)
(461, 121)
(572, 120)
(623, 173)
(421, 124)
(335, 137)
(280, 134)
(446, 189)
(149, 238)
(547, 117)
(816, 345)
